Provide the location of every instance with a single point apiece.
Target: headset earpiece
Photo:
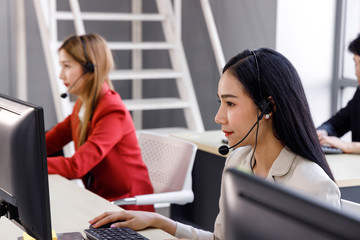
(88, 66)
(265, 106)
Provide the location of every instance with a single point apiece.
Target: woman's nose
(219, 117)
(61, 75)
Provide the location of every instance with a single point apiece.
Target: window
(347, 29)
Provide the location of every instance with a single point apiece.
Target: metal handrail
(214, 36)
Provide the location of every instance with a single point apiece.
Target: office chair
(170, 161)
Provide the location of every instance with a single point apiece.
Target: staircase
(169, 17)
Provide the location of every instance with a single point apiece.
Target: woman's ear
(273, 106)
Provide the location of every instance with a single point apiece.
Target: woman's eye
(229, 104)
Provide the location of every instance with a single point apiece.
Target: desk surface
(208, 141)
(71, 209)
(345, 167)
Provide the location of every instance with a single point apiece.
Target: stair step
(137, 45)
(144, 74)
(156, 103)
(101, 16)
(140, 45)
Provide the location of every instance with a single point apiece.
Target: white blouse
(288, 169)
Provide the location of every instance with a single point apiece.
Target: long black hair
(292, 121)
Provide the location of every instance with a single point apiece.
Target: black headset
(88, 66)
(265, 106)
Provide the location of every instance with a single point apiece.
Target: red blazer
(111, 152)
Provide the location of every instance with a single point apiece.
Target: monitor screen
(24, 189)
(255, 208)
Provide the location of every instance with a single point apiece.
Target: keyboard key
(113, 234)
(331, 150)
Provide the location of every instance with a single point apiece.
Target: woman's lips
(227, 133)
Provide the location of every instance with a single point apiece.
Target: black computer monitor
(24, 189)
(258, 209)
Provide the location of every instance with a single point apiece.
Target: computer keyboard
(331, 150)
(113, 233)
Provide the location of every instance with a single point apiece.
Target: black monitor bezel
(30, 211)
(255, 208)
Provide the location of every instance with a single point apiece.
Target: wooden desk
(208, 141)
(346, 169)
(207, 172)
(71, 209)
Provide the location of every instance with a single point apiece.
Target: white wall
(305, 35)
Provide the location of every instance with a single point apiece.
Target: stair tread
(140, 45)
(156, 103)
(111, 16)
(124, 45)
(144, 74)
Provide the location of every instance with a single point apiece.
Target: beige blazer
(288, 169)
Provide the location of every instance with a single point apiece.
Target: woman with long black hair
(266, 119)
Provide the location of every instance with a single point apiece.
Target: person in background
(346, 119)
(107, 155)
(264, 112)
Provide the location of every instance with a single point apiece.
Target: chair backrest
(169, 160)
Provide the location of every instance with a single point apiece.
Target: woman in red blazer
(107, 157)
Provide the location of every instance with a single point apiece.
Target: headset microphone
(266, 106)
(223, 150)
(64, 95)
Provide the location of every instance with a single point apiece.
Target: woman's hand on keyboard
(346, 147)
(136, 220)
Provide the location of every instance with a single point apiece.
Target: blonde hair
(99, 54)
